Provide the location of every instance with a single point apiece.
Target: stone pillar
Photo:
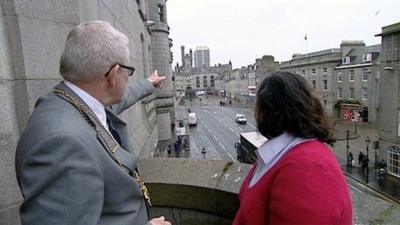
(161, 60)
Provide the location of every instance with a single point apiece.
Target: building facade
(202, 56)
(161, 59)
(318, 69)
(389, 99)
(356, 83)
(346, 78)
(264, 66)
(197, 79)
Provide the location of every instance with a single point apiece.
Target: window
(346, 60)
(313, 70)
(393, 154)
(325, 102)
(339, 93)
(365, 73)
(205, 81)
(197, 82)
(303, 72)
(351, 75)
(212, 82)
(324, 70)
(314, 84)
(325, 85)
(364, 93)
(387, 44)
(351, 93)
(161, 13)
(339, 77)
(367, 57)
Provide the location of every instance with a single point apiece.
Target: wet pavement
(391, 185)
(389, 188)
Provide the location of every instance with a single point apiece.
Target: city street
(217, 132)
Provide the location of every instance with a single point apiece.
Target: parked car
(240, 118)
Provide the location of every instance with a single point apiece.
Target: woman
(296, 179)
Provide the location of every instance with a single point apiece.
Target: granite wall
(32, 36)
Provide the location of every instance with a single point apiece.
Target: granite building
(346, 78)
(32, 39)
(202, 56)
(187, 77)
(389, 99)
(161, 59)
(318, 69)
(356, 82)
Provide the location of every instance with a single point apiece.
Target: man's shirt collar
(93, 103)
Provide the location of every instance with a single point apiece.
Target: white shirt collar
(274, 147)
(271, 152)
(94, 104)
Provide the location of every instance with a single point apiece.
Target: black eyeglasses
(130, 69)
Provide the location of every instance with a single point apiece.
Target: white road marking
(214, 136)
(252, 125)
(356, 189)
(212, 133)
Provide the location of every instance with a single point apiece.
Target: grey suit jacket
(64, 172)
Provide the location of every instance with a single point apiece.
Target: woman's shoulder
(310, 152)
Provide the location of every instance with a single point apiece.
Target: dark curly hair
(285, 102)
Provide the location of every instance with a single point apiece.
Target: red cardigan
(305, 187)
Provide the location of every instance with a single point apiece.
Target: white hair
(91, 49)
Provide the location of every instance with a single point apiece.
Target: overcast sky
(243, 30)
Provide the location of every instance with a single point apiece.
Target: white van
(192, 120)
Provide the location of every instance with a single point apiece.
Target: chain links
(92, 120)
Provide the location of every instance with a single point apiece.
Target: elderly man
(74, 163)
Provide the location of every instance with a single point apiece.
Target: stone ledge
(200, 186)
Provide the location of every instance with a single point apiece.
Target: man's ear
(112, 76)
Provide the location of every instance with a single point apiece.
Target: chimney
(183, 55)
(347, 46)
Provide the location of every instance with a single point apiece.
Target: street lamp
(367, 141)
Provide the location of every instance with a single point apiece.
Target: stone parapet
(191, 191)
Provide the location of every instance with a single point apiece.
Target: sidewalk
(167, 148)
(391, 186)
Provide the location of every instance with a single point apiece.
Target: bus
(248, 144)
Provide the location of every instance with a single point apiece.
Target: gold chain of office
(85, 113)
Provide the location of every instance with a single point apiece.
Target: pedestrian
(382, 164)
(296, 174)
(364, 163)
(169, 150)
(176, 146)
(74, 162)
(360, 158)
(203, 151)
(350, 159)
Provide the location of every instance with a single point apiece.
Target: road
(216, 129)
